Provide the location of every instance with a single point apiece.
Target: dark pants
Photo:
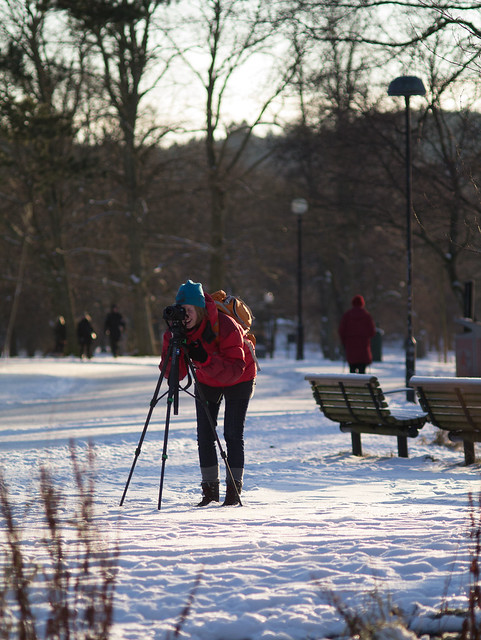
(357, 368)
(114, 344)
(236, 402)
(86, 348)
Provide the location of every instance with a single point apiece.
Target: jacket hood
(210, 319)
(358, 301)
(211, 307)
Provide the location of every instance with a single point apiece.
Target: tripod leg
(164, 452)
(172, 400)
(214, 430)
(153, 402)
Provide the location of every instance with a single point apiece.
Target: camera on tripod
(174, 315)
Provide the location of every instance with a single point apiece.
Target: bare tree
(40, 96)
(370, 42)
(448, 213)
(217, 40)
(121, 33)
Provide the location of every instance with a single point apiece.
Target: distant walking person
(85, 336)
(356, 330)
(60, 334)
(114, 327)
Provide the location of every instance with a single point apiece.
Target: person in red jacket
(225, 370)
(356, 330)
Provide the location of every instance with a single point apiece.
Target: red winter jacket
(229, 359)
(356, 330)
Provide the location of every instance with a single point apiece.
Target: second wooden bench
(453, 404)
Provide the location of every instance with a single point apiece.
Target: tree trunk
(64, 304)
(217, 258)
(143, 330)
(16, 299)
(142, 326)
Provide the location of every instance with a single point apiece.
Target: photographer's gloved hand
(197, 351)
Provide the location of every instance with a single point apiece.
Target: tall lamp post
(299, 207)
(408, 86)
(270, 322)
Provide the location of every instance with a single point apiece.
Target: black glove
(197, 351)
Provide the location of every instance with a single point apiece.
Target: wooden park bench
(453, 404)
(357, 402)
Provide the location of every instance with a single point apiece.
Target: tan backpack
(239, 311)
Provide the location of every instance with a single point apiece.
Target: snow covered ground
(315, 518)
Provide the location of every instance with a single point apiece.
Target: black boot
(210, 491)
(231, 495)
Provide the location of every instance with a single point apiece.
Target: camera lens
(174, 313)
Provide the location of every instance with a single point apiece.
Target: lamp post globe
(407, 86)
(299, 207)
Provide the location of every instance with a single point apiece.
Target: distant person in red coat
(356, 330)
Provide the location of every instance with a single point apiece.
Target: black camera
(175, 314)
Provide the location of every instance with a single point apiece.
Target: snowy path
(315, 518)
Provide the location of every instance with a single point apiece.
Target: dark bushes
(64, 589)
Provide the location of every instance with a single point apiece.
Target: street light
(408, 86)
(299, 206)
(270, 323)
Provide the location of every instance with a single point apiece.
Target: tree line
(112, 191)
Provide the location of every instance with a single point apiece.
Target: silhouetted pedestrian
(85, 336)
(114, 327)
(60, 334)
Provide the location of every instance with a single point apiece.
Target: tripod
(176, 351)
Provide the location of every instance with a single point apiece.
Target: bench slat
(355, 408)
(452, 404)
(455, 420)
(344, 414)
(360, 403)
(473, 399)
(335, 388)
(353, 397)
(446, 382)
(366, 415)
(379, 430)
(458, 410)
(466, 436)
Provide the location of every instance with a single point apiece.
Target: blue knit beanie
(191, 293)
